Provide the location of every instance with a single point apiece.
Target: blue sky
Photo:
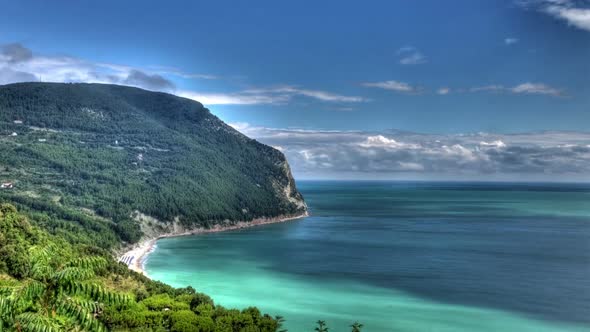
(434, 67)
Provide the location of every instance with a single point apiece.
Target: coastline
(135, 257)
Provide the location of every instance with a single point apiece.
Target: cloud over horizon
(396, 154)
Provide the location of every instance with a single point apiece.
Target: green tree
(280, 321)
(322, 326)
(356, 327)
(56, 297)
(188, 321)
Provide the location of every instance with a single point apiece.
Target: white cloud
(316, 94)
(574, 13)
(19, 64)
(443, 91)
(489, 88)
(536, 88)
(240, 126)
(409, 166)
(413, 59)
(233, 98)
(274, 95)
(392, 85)
(385, 154)
(510, 41)
(494, 144)
(16, 58)
(177, 72)
(380, 141)
(326, 96)
(578, 17)
(523, 88)
(409, 55)
(8, 75)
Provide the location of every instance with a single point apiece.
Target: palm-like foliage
(280, 321)
(322, 326)
(356, 327)
(56, 297)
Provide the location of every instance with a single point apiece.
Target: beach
(135, 256)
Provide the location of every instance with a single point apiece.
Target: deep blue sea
(405, 256)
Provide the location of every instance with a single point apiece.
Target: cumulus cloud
(409, 55)
(494, 144)
(394, 154)
(578, 17)
(574, 13)
(392, 86)
(380, 141)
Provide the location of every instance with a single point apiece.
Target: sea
(404, 256)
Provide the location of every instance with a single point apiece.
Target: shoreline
(135, 257)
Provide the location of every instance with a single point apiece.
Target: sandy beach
(135, 257)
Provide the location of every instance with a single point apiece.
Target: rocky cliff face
(290, 189)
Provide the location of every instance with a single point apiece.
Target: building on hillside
(6, 185)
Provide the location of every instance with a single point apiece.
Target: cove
(404, 257)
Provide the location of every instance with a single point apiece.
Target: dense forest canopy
(97, 154)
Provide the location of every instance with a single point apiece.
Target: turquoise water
(404, 257)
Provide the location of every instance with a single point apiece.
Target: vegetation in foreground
(48, 284)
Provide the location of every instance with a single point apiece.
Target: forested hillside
(85, 158)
